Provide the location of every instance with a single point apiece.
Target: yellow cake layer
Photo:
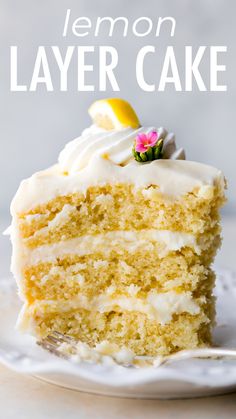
(132, 330)
(123, 272)
(77, 214)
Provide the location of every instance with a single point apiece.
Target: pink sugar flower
(144, 141)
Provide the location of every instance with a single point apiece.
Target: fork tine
(63, 338)
(51, 347)
(52, 340)
(53, 343)
(58, 335)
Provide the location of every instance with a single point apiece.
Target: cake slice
(115, 242)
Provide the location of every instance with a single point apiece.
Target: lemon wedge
(113, 113)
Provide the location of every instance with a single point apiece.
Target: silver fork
(54, 344)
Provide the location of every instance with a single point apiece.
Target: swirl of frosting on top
(115, 146)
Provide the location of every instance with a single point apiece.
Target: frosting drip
(115, 145)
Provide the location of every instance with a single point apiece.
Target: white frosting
(99, 156)
(157, 306)
(115, 146)
(129, 240)
(173, 177)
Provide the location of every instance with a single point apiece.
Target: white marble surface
(25, 397)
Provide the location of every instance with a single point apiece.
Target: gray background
(35, 126)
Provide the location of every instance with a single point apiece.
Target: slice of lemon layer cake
(115, 242)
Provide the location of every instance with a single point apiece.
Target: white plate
(193, 378)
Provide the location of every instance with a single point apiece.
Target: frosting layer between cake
(129, 240)
(157, 306)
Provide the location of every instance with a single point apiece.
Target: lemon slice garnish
(113, 113)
